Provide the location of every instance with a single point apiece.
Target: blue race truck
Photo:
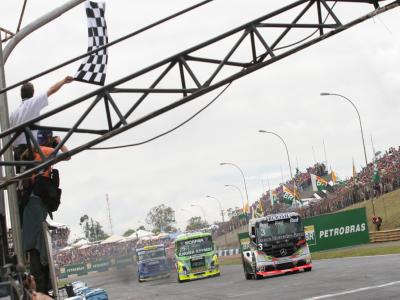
(152, 263)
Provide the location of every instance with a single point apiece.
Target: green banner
(123, 261)
(76, 269)
(336, 230)
(100, 266)
(243, 216)
(244, 241)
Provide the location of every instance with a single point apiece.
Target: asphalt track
(374, 277)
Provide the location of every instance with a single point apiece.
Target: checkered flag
(93, 67)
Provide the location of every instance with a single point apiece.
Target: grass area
(62, 282)
(364, 250)
(386, 206)
(361, 250)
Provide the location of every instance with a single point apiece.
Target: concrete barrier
(230, 240)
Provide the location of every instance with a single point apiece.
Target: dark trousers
(22, 191)
(39, 271)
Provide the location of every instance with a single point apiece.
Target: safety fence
(385, 236)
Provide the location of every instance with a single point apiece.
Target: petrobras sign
(336, 230)
(310, 235)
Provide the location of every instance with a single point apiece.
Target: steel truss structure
(262, 49)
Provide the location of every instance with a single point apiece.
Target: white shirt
(27, 110)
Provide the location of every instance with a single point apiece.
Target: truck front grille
(280, 250)
(197, 263)
(153, 268)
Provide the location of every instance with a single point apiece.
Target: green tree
(141, 227)
(128, 232)
(196, 223)
(162, 218)
(92, 229)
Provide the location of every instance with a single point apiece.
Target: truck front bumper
(279, 271)
(198, 275)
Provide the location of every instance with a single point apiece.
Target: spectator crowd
(358, 188)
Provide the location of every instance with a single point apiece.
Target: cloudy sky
(180, 169)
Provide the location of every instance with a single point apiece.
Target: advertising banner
(76, 269)
(336, 230)
(244, 241)
(123, 261)
(100, 266)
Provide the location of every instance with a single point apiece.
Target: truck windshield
(286, 227)
(151, 254)
(194, 246)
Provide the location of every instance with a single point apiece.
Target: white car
(78, 285)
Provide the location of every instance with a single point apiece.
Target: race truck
(195, 256)
(152, 263)
(275, 244)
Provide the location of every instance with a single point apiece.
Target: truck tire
(248, 276)
(307, 269)
(179, 279)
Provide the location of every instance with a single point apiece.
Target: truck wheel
(179, 279)
(307, 269)
(258, 277)
(248, 276)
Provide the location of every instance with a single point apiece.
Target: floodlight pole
(359, 120)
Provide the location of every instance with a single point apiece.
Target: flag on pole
(272, 197)
(288, 196)
(93, 67)
(354, 173)
(320, 184)
(376, 177)
(258, 211)
(296, 192)
(333, 176)
(246, 208)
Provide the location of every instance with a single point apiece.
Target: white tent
(85, 246)
(112, 239)
(145, 238)
(66, 248)
(81, 242)
(142, 233)
(131, 237)
(56, 224)
(162, 235)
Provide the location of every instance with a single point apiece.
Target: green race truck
(275, 244)
(195, 256)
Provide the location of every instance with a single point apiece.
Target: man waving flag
(93, 67)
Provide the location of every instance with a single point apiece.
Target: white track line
(354, 291)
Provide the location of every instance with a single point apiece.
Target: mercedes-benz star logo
(283, 252)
